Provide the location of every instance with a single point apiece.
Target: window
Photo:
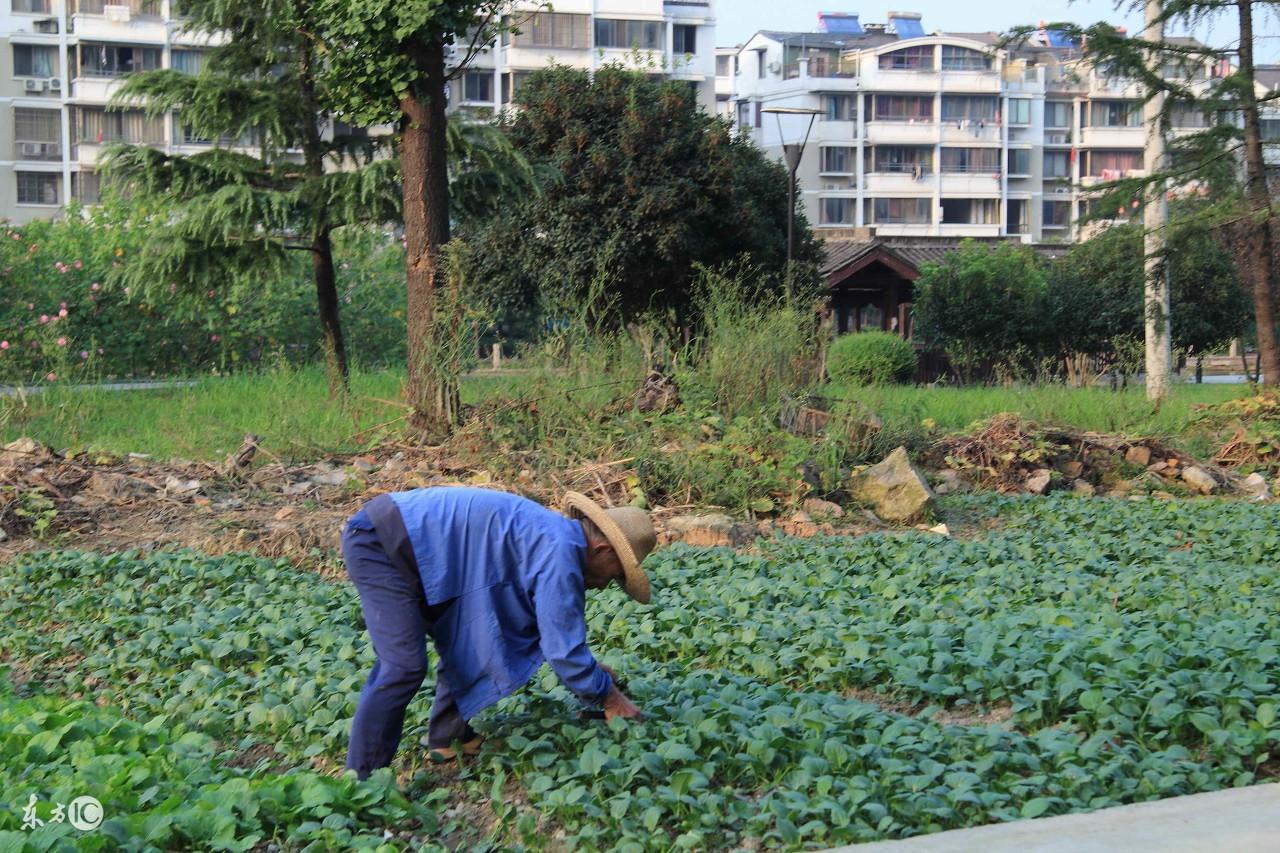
(185, 135)
(762, 69)
(1018, 216)
(901, 211)
(141, 8)
(1271, 129)
(964, 59)
(31, 7)
(903, 108)
(1019, 161)
(95, 125)
(971, 211)
(969, 108)
(836, 211)
(37, 134)
(1057, 164)
(724, 66)
(1115, 114)
(970, 160)
(477, 86)
(917, 161)
(37, 187)
(1187, 115)
(1019, 111)
(114, 60)
(34, 60)
(627, 34)
(744, 114)
(1182, 70)
(549, 29)
(908, 59)
(837, 159)
(1112, 165)
(187, 61)
(1057, 114)
(840, 107)
(511, 84)
(86, 187)
(684, 38)
(1056, 214)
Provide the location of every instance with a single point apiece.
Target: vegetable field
(1079, 654)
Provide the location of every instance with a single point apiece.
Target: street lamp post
(792, 153)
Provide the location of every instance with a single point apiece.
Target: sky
(738, 20)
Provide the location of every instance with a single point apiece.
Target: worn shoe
(448, 753)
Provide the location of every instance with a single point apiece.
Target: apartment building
(666, 38)
(944, 134)
(61, 61)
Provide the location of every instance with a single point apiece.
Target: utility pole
(1155, 219)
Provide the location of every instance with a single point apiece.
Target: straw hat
(628, 530)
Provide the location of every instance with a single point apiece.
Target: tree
(387, 61)
(1095, 294)
(227, 216)
(1223, 163)
(648, 186)
(984, 307)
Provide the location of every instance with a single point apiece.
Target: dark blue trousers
(396, 612)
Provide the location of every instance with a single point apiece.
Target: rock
(1199, 479)
(1164, 496)
(1161, 468)
(364, 464)
(140, 457)
(21, 453)
(284, 513)
(1256, 485)
(1038, 481)
(1083, 488)
(105, 484)
(895, 489)
(1072, 468)
(950, 481)
(818, 508)
(176, 487)
(298, 488)
(800, 524)
(941, 530)
(329, 478)
(1138, 455)
(710, 530)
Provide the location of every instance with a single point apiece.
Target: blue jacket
(514, 572)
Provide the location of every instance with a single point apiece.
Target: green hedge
(871, 358)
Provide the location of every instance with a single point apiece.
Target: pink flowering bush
(63, 314)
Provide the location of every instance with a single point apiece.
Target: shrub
(871, 358)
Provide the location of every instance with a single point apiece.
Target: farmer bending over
(497, 582)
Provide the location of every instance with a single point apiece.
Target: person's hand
(616, 704)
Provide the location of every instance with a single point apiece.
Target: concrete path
(1240, 820)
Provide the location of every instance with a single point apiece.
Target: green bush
(871, 358)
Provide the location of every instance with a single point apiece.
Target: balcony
(904, 229)
(834, 131)
(965, 229)
(94, 89)
(970, 184)
(968, 131)
(899, 184)
(971, 80)
(1107, 176)
(906, 132)
(1113, 137)
(903, 80)
(1058, 136)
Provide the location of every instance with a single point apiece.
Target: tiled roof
(916, 251)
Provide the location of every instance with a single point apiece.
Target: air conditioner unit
(116, 14)
(45, 25)
(30, 150)
(55, 84)
(775, 67)
(31, 85)
(1062, 190)
(53, 149)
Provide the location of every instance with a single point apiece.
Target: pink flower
(215, 338)
(84, 354)
(62, 342)
(34, 344)
(4, 344)
(44, 318)
(126, 291)
(95, 287)
(62, 305)
(62, 312)
(209, 294)
(78, 265)
(52, 377)
(31, 306)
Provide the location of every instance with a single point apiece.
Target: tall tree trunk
(1260, 245)
(433, 392)
(335, 351)
(327, 300)
(1155, 221)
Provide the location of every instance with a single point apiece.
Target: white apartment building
(61, 60)
(943, 134)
